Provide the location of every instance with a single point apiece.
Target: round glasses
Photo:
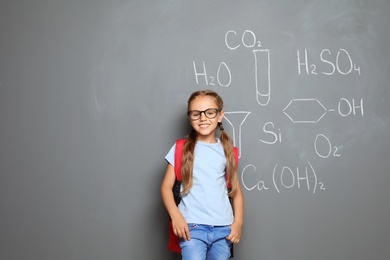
(210, 113)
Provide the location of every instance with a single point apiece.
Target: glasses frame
(217, 110)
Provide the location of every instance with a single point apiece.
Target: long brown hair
(189, 147)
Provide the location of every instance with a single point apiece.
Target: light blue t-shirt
(207, 202)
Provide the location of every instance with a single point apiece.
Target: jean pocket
(192, 226)
(226, 230)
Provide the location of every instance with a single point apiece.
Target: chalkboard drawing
(236, 120)
(288, 177)
(328, 149)
(223, 67)
(262, 76)
(310, 110)
(351, 107)
(333, 66)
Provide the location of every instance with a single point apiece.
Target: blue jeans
(206, 243)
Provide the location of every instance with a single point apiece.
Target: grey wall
(93, 94)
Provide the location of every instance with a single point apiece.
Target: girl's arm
(238, 209)
(180, 227)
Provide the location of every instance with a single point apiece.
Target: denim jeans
(206, 243)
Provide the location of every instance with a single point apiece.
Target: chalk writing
(284, 178)
(298, 110)
(313, 110)
(329, 148)
(334, 66)
(259, 185)
(287, 178)
(247, 36)
(211, 80)
(352, 107)
(273, 136)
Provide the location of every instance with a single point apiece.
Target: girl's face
(205, 127)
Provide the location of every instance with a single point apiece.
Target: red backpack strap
(178, 155)
(235, 150)
(173, 243)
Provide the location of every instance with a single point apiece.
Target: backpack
(174, 241)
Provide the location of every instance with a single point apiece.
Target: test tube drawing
(262, 76)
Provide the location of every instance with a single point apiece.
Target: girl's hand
(180, 228)
(235, 233)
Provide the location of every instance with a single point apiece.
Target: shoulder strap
(178, 155)
(235, 150)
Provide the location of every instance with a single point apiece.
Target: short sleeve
(170, 157)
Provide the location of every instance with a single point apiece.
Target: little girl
(205, 221)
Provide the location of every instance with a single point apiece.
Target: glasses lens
(194, 114)
(210, 113)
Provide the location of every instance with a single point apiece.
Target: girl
(205, 221)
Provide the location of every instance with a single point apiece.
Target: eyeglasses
(210, 113)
